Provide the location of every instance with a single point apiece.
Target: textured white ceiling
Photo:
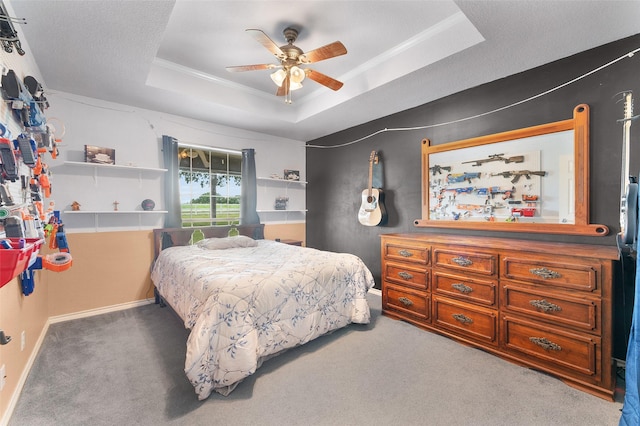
(171, 56)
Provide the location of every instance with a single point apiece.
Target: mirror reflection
(534, 179)
(507, 181)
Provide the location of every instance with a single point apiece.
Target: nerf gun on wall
(56, 262)
(9, 166)
(517, 174)
(496, 157)
(27, 110)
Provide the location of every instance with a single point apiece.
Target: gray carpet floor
(126, 368)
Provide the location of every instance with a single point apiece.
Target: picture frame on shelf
(281, 203)
(99, 155)
(292, 175)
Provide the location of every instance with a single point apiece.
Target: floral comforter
(244, 304)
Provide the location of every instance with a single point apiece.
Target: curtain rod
(210, 148)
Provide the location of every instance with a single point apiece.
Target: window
(209, 186)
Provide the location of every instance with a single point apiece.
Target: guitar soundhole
(370, 199)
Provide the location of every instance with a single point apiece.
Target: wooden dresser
(547, 306)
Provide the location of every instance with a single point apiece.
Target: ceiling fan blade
(264, 40)
(325, 52)
(325, 80)
(252, 67)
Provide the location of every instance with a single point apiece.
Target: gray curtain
(249, 192)
(172, 182)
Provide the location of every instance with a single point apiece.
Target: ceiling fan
(290, 75)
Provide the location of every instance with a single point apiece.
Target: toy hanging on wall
(21, 162)
(56, 262)
(8, 34)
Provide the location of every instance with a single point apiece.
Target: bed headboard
(181, 236)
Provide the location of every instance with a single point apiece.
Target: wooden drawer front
(406, 275)
(561, 309)
(469, 320)
(573, 352)
(567, 275)
(406, 252)
(465, 288)
(479, 263)
(406, 301)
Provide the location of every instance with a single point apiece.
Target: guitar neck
(626, 137)
(371, 175)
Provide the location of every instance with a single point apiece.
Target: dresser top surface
(519, 245)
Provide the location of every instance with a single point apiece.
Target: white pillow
(227, 242)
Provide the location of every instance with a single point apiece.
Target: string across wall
(514, 104)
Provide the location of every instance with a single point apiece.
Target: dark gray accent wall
(337, 176)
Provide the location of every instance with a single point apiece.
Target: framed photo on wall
(100, 155)
(292, 174)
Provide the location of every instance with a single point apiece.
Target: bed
(246, 299)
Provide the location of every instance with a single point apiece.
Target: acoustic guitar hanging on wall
(372, 211)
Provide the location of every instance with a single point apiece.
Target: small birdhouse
(75, 206)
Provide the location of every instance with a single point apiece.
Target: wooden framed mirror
(534, 179)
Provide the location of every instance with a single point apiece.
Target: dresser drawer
(406, 301)
(407, 275)
(570, 275)
(472, 321)
(462, 260)
(559, 308)
(559, 349)
(465, 288)
(406, 252)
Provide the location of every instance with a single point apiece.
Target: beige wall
(19, 313)
(291, 231)
(109, 268)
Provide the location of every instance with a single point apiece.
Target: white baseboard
(375, 291)
(23, 377)
(99, 311)
(4, 421)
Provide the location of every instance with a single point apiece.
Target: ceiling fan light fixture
(295, 86)
(297, 74)
(278, 77)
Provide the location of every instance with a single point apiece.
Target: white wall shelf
(105, 167)
(113, 166)
(281, 211)
(97, 213)
(112, 182)
(287, 181)
(271, 188)
(115, 211)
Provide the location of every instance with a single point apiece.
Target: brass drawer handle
(405, 301)
(462, 318)
(462, 288)
(462, 261)
(545, 344)
(405, 275)
(545, 273)
(545, 306)
(405, 253)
